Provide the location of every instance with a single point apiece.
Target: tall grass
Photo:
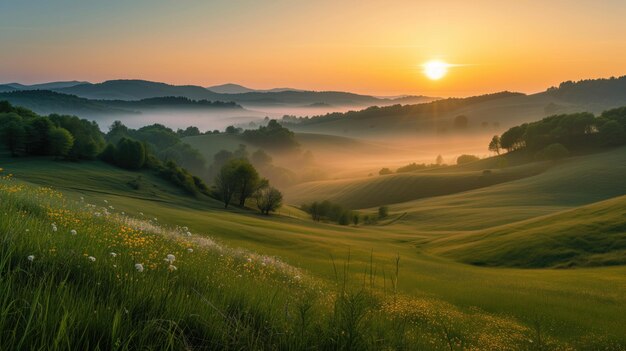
(54, 297)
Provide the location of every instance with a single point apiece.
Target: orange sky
(360, 46)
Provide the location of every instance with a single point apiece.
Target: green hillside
(403, 187)
(593, 235)
(573, 305)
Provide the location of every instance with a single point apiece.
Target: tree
(190, 131)
(385, 171)
(439, 160)
(612, 133)
(248, 179)
(355, 219)
(494, 145)
(37, 132)
(466, 159)
(512, 139)
(344, 218)
(239, 178)
(131, 154)
(268, 199)
(226, 182)
(233, 130)
(383, 211)
(61, 142)
(260, 158)
(12, 133)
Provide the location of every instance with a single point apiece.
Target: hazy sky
(372, 47)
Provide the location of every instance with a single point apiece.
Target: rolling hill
(140, 89)
(580, 302)
(396, 188)
(592, 235)
(486, 113)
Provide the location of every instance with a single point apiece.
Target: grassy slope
(593, 235)
(574, 300)
(574, 182)
(403, 187)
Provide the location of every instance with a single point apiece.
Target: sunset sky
(366, 47)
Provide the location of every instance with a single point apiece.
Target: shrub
(385, 171)
(383, 211)
(463, 159)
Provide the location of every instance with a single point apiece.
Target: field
(434, 238)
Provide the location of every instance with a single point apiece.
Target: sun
(435, 69)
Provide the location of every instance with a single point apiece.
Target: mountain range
(133, 89)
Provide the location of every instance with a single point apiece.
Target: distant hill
(46, 102)
(487, 113)
(141, 89)
(231, 88)
(170, 102)
(46, 86)
(137, 90)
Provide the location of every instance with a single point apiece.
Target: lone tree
(268, 199)
(494, 145)
(239, 178)
(439, 160)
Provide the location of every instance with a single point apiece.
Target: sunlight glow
(435, 69)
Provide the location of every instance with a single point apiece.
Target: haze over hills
(231, 88)
(134, 89)
(481, 113)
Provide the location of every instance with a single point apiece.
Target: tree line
(554, 136)
(154, 147)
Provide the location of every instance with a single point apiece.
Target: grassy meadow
(400, 284)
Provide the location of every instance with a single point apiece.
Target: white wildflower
(54, 227)
(73, 232)
(171, 268)
(91, 258)
(113, 254)
(170, 258)
(139, 267)
(190, 250)
(31, 258)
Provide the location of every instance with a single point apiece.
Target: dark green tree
(268, 199)
(61, 142)
(131, 154)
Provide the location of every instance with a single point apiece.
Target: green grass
(403, 187)
(579, 308)
(593, 235)
(63, 290)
